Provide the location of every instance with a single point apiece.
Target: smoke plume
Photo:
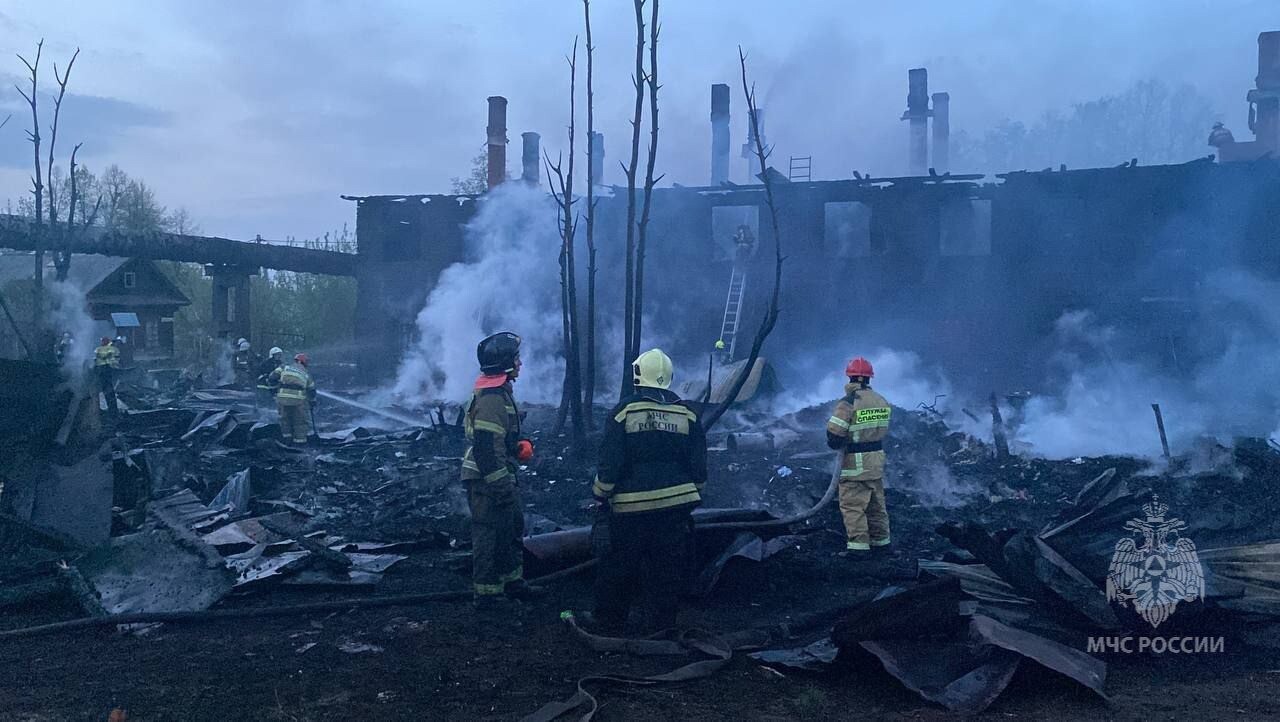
(511, 283)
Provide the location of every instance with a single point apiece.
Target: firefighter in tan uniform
(495, 448)
(857, 427)
(295, 392)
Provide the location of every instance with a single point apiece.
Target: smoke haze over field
(347, 98)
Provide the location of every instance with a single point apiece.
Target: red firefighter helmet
(301, 358)
(859, 367)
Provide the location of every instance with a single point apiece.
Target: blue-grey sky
(256, 116)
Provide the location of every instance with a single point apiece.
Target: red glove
(524, 450)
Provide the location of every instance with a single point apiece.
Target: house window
(130, 279)
(847, 229)
(965, 228)
(153, 334)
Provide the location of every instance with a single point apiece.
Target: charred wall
(404, 243)
(970, 275)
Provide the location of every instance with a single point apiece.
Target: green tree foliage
(1149, 121)
(294, 310)
(478, 181)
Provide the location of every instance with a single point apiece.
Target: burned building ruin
(969, 271)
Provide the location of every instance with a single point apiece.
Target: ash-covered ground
(443, 660)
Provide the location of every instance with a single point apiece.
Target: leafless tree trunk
(649, 180)
(37, 187)
(571, 395)
(53, 136)
(589, 393)
(629, 307)
(771, 315)
(62, 258)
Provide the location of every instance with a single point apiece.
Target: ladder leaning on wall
(732, 312)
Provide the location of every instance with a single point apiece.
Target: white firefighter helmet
(652, 368)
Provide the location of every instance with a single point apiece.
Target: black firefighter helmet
(497, 353)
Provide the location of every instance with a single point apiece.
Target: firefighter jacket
(492, 426)
(293, 384)
(858, 427)
(266, 381)
(654, 455)
(107, 355)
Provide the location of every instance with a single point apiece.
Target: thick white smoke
(901, 377)
(70, 314)
(512, 283)
(1103, 405)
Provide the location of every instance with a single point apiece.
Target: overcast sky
(255, 116)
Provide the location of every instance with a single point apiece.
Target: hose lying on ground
(209, 615)
(213, 615)
(788, 521)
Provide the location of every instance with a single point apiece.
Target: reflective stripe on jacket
(858, 425)
(106, 356)
(492, 426)
(293, 384)
(654, 455)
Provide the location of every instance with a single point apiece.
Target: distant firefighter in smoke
(295, 392)
(266, 386)
(857, 427)
(106, 363)
(495, 450)
(653, 465)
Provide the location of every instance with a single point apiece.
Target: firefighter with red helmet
(857, 427)
(295, 392)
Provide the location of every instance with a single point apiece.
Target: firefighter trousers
(294, 421)
(497, 533)
(107, 385)
(643, 557)
(866, 520)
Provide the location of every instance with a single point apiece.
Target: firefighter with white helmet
(653, 465)
(266, 387)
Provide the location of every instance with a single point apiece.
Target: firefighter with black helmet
(495, 449)
(653, 465)
(857, 427)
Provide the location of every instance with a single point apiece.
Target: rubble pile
(1001, 563)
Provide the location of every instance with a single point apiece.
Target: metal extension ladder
(732, 313)
(800, 169)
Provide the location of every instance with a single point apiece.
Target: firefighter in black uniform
(653, 464)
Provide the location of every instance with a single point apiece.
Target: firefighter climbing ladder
(732, 312)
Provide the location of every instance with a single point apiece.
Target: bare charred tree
(571, 394)
(60, 234)
(771, 315)
(589, 391)
(62, 257)
(37, 185)
(629, 304)
(649, 180)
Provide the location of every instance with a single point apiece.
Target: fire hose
(208, 615)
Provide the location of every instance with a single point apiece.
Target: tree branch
(589, 392)
(629, 305)
(771, 315)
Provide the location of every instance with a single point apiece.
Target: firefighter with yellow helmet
(653, 465)
(857, 427)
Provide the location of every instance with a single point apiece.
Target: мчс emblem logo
(1158, 570)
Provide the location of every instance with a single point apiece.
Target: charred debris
(188, 505)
